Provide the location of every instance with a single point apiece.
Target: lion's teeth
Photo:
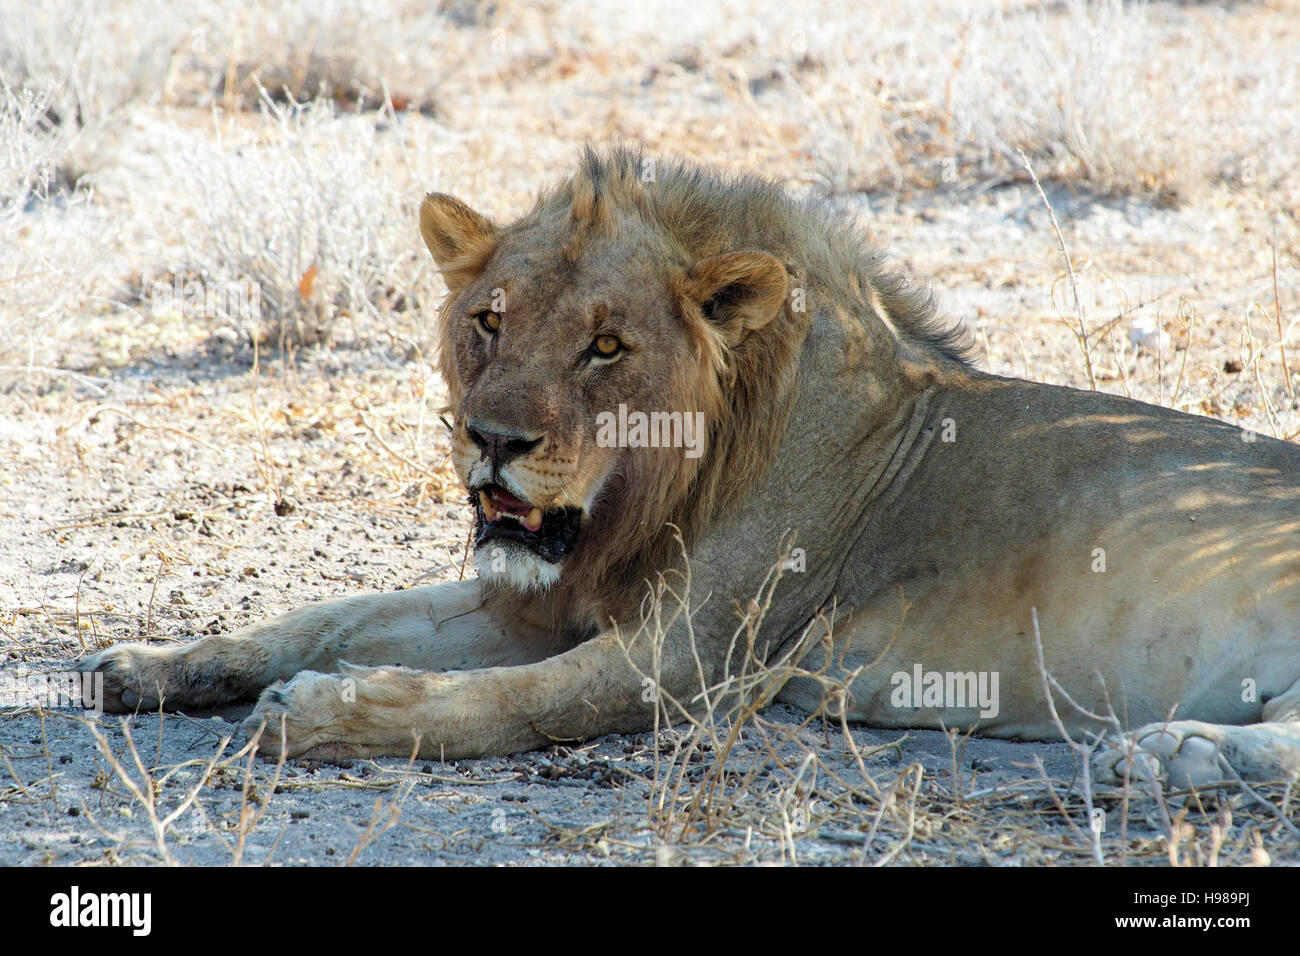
(492, 511)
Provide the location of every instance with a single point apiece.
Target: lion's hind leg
(1194, 754)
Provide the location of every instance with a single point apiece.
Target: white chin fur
(512, 566)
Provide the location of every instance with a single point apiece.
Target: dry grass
(289, 224)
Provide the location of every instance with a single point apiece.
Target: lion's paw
(1185, 754)
(136, 676)
(302, 718)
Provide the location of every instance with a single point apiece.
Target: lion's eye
(491, 321)
(606, 345)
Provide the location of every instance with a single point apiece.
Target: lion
(797, 387)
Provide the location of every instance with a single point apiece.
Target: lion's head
(636, 306)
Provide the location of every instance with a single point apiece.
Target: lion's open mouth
(500, 515)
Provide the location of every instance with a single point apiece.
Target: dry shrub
(309, 219)
(48, 228)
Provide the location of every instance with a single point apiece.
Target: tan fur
(909, 479)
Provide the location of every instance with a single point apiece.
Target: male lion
(936, 508)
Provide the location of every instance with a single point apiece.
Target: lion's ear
(460, 239)
(738, 292)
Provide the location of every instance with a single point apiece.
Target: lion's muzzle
(500, 515)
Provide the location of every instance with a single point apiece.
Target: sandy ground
(585, 805)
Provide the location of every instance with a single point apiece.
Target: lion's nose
(500, 448)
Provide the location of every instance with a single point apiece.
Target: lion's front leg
(440, 627)
(207, 673)
(588, 691)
